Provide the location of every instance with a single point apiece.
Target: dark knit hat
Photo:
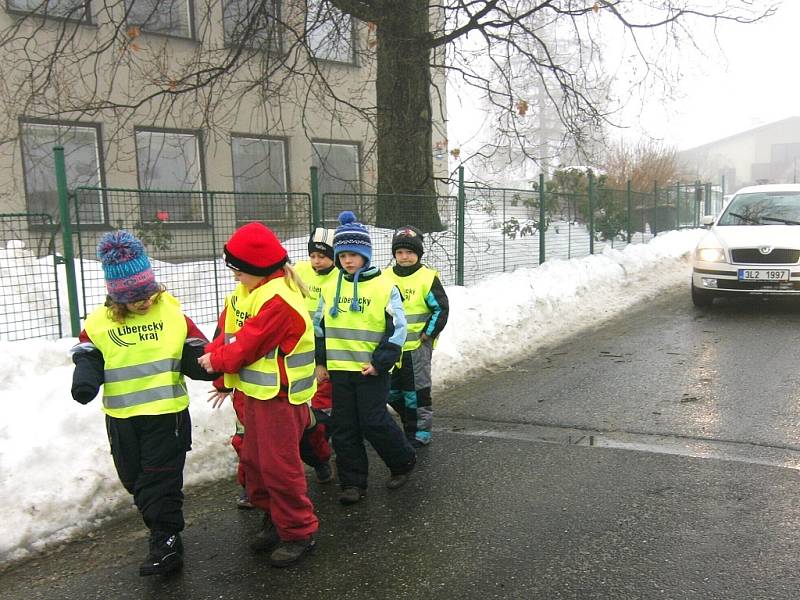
(351, 236)
(408, 237)
(321, 240)
(126, 267)
(254, 249)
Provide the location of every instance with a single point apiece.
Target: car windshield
(763, 208)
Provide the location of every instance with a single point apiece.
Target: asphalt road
(512, 501)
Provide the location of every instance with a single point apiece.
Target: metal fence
(506, 229)
(184, 233)
(383, 213)
(468, 236)
(29, 281)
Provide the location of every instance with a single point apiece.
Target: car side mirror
(707, 220)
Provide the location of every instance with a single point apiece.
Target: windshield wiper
(779, 220)
(743, 218)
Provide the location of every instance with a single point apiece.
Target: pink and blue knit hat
(126, 267)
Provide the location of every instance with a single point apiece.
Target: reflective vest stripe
(261, 379)
(142, 374)
(415, 289)
(299, 360)
(142, 397)
(354, 334)
(301, 384)
(417, 318)
(258, 377)
(349, 355)
(157, 367)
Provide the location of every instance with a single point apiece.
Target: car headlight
(710, 254)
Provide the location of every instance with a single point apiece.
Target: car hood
(752, 236)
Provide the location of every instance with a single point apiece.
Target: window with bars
(82, 157)
(338, 176)
(259, 168)
(165, 17)
(252, 23)
(329, 33)
(170, 161)
(77, 10)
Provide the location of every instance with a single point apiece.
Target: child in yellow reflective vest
(266, 351)
(314, 447)
(139, 345)
(426, 306)
(364, 329)
(316, 272)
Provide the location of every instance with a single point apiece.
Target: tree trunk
(405, 161)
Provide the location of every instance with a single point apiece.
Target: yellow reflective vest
(261, 379)
(142, 359)
(314, 282)
(352, 336)
(414, 288)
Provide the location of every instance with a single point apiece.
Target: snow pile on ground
(56, 470)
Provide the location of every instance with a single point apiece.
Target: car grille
(727, 284)
(778, 256)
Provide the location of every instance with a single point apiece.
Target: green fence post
(707, 192)
(697, 199)
(655, 208)
(315, 207)
(630, 208)
(542, 248)
(591, 212)
(677, 205)
(504, 237)
(66, 236)
(214, 247)
(462, 196)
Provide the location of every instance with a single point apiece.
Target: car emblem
(765, 249)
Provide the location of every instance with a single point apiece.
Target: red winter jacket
(275, 324)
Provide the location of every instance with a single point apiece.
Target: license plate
(763, 275)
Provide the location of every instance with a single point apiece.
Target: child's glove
(84, 392)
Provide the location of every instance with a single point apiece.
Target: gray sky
(748, 80)
(754, 80)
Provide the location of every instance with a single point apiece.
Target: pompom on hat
(321, 240)
(129, 277)
(351, 236)
(255, 249)
(408, 237)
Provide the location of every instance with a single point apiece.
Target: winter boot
(288, 553)
(351, 495)
(398, 480)
(243, 501)
(324, 473)
(166, 554)
(267, 538)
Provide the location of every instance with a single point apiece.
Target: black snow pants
(149, 452)
(359, 413)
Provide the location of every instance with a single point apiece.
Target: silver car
(752, 247)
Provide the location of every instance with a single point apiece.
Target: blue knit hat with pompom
(351, 236)
(126, 267)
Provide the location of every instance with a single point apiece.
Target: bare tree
(267, 49)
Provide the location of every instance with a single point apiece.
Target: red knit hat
(254, 249)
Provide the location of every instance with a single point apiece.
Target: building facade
(238, 96)
(765, 154)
